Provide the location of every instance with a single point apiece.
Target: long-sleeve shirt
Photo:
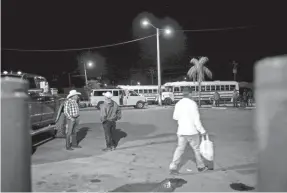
(187, 115)
(110, 111)
(71, 109)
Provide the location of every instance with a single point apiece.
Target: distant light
(90, 64)
(5, 72)
(106, 85)
(139, 83)
(145, 22)
(184, 78)
(168, 31)
(19, 72)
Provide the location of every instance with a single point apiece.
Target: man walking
(72, 113)
(216, 98)
(110, 113)
(235, 98)
(189, 126)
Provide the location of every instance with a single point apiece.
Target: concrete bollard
(271, 123)
(15, 137)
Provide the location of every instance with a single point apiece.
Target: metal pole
(86, 77)
(158, 67)
(15, 137)
(69, 74)
(270, 123)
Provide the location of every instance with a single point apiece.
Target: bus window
(212, 88)
(163, 90)
(140, 91)
(202, 88)
(181, 88)
(232, 87)
(150, 91)
(208, 88)
(136, 90)
(218, 88)
(226, 87)
(176, 89)
(154, 90)
(115, 93)
(145, 91)
(192, 88)
(196, 88)
(222, 87)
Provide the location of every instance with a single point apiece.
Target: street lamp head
(168, 31)
(145, 23)
(90, 64)
(19, 72)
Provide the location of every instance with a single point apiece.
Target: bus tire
(99, 105)
(140, 105)
(167, 101)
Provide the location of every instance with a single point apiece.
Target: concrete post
(15, 137)
(271, 123)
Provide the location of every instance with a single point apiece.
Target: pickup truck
(45, 109)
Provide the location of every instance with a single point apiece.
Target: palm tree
(152, 73)
(234, 70)
(198, 72)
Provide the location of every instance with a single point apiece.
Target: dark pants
(109, 128)
(72, 132)
(217, 103)
(235, 103)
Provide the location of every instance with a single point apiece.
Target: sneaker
(113, 148)
(107, 149)
(69, 148)
(202, 169)
(173, 172)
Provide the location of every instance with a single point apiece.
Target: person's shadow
(82, 133)
(118, 134)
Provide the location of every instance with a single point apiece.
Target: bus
(151, 93)
(224, 88)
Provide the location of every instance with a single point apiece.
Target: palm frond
(194, 61)
(192, 72)
(207, 72)
(203, 60)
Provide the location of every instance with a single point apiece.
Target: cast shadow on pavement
(241, 187)
(118, 135)
(167, 185)
(82, 133)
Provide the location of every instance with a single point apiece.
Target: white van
(123, 98)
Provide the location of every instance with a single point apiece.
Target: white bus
(151, 93)
(224, 88)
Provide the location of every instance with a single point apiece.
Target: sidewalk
(139, 166)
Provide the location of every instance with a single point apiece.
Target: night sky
(68, 24)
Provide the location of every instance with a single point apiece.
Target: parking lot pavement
(143, 155)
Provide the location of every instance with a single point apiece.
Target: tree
(198, 71)
(152, 73)
(234, 70)
(92, 84)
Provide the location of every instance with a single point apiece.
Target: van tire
(167, 101)
(99, 105)
(140, 105)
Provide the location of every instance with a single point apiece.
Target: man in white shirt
(189, 126)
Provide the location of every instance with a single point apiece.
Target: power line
(218, 29)
(79, 49)
(126, 42)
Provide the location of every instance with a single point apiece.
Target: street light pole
(86, 77)
(158, 67)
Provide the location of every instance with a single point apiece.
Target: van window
(226, 87)
(115, 93)
(176, 89)
(145, 91)
(32, 84)
(202, 88)
(154, 90)
(222, 87)
(132, 93)
(192, 88)
(163, 90)
(212, 88)
(98, 93)
(140, 91)
(218, 88)
(150, 91)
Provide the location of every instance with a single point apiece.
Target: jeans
(217, 103)
(71, 136)
(194, 142)
(109, 129)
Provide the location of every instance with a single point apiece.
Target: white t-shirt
(187, 115)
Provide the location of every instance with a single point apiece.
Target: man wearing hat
(189, 126)
(72, 113)
(110, 113)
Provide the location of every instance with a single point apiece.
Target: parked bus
(151, 93)
(224, 88)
